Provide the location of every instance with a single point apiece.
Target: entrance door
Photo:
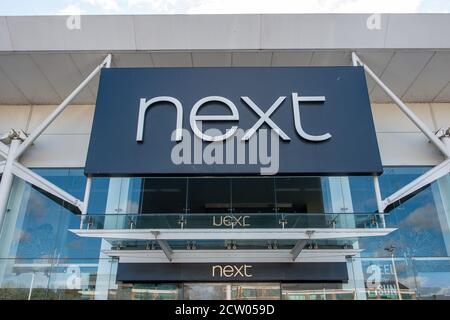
(316, 291)
(146, 291)
(232, 291)
(256, 291)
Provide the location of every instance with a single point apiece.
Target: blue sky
(51, 7)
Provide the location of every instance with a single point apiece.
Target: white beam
(87, 193)
(428, 177)
(44, 125)
(376, 185)
(406, 110)
(38, 181)
(166, 249)
(2, 166)
(425, 179)
(233, 256)
(4, 149)
(107, 61)
(12, 154)
(7, 179)
(164, 245)
(232, 234)
(297, 249)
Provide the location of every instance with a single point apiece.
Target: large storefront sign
(247, 121)
(226, 272)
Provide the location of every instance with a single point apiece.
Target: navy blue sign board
(229, 272)
(320, 118)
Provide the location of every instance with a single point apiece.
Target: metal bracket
(295, 251)
(300, 244)
(164, 245)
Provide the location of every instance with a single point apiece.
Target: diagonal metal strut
(18, 144)
(164, 245)
(427, 178)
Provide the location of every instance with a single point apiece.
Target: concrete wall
(400, 141)
(65, 142)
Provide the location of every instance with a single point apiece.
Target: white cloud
(379, 6)
(71, 10)
(105, 5)
(162, 6)
(251, 6)
(306, 6)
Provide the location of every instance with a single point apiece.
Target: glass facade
(40, 258)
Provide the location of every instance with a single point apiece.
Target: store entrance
(232, 291)
(197, 291)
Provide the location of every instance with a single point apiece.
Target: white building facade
(58, 243)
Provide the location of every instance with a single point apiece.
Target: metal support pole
(31, 285)
(446, 139)
(166, 249)
(33, 178)
(406, 110)
(427, 178)
(354, 59)
(396, 277)
(391, 250)
(7, 179)
(3, 150)
(87, 193)
(20, 142)
(107, 61)
(298, 247)
(38, 131)
(164, 245)
(380, 207)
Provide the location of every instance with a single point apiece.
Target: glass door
(316, 291)
(232, 291)
(146, 291)
(255, 291)
(207, 291)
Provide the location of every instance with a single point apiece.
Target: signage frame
(124, 139)
(233, 272)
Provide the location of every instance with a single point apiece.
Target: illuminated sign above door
(233, 121)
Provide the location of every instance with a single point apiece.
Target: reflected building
(45, 260)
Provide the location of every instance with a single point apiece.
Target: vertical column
(376, 185)
(87, 193)
(20, 194)
(7, 179)
(441, 197)
(116, 205)
(5, 192)
(341, 203)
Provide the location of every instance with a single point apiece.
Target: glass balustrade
(233, 221)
